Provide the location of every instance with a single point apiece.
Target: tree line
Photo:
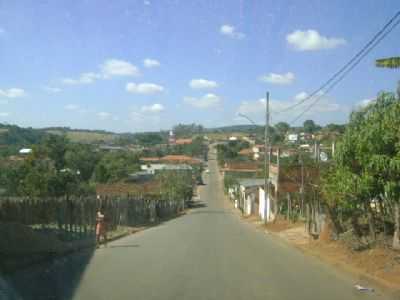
(58, 167)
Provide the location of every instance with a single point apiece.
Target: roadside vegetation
(363, 184)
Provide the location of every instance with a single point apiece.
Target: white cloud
(118, 67)
(311, 40)
(365, 102)
(207, 101)
(52, 90)
(144, 88)
(12, 93)
(301, 96)
(151, 63)
(326, 106)
(146, 116)
(281, 79)
(154, 108)
(202, 84)
(4, 114)
(104, 115)
(71, 107)
(230, 31)
(84, 78)
(110, 68)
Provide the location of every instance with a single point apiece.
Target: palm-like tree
(390, 62)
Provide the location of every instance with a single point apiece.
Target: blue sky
(147, 65)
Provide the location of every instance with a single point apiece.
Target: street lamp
(247, 118)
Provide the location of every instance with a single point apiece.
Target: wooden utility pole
(267, 158)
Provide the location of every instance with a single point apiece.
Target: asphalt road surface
(208, 253)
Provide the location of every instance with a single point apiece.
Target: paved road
(207, 254)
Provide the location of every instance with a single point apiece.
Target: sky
(146, 65)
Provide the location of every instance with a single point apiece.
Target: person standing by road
(101, 228)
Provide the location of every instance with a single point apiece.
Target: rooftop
(250, 182)
(183, 141)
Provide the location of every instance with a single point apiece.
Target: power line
(345, 73)
(347, 65)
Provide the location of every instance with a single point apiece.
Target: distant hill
(86, 136)
(19, 136)
(236, 128)
(15, 135)
(69, 129)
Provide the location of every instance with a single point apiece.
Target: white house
(154, 168)
(247, 201)
(293, 137)
(249, 140)
(25, 151)
(232, 193)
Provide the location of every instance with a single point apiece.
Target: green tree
(367, 165)
(116, 166)
(56, 147)
(187, 130)
(282, 127)
(310, 127)
(82, 159)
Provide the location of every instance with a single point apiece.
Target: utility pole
(267, 158)
(278, 165)
(302, 184)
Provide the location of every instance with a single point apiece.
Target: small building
(250, 167)
(250, 140)
(141, 176)
(304, 136)
(246, 152)
(181, 159)
(150, 159)
(183, 141)
(25, 151)
(233, 138)
(171, 138)
(110, 148)
(248, 195)
(293, 137)
(305, 147)
(155, 168)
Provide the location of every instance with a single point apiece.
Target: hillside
(13, 135)
(83, 136)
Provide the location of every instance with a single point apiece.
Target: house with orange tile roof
(183, 141)
(180, 159)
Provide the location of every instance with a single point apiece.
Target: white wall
(247, 205)
(262, 212)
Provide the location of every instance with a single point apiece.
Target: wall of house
(262, 212)
(248, 205)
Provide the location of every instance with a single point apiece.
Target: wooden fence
(78, 215)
